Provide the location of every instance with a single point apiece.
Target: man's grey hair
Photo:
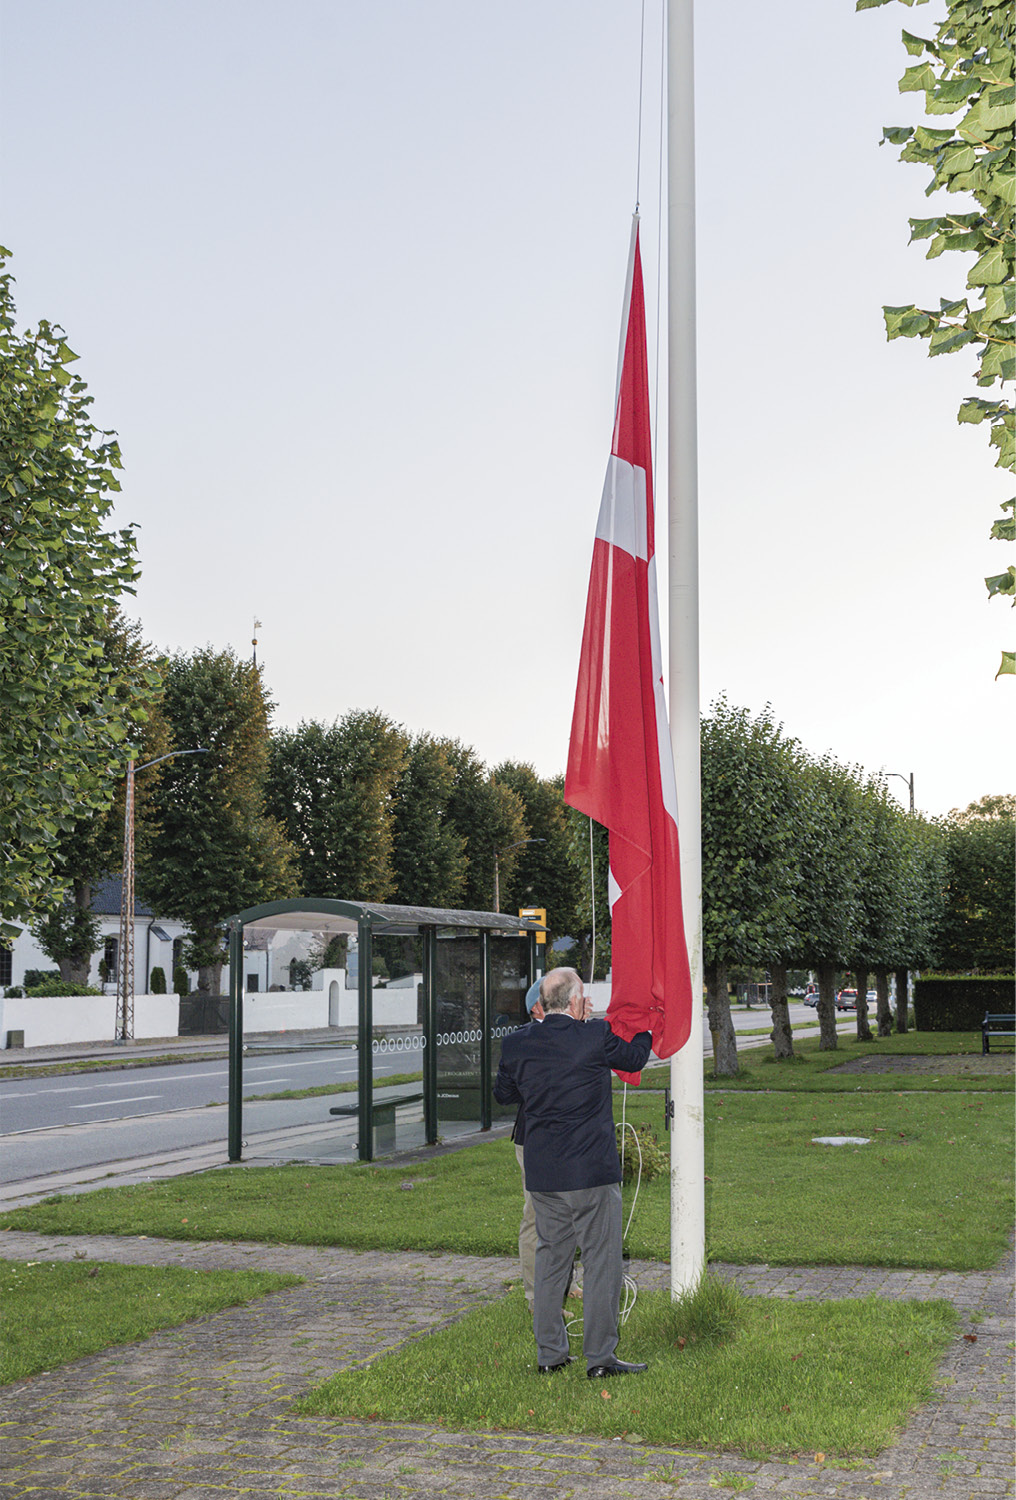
(558, 987)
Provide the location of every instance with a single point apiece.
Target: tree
(218, 850)
(968, 66)
(429, 853)
(750, 862)
(487, 816)
(332, 787)
(980, 889)
(93, 846)
(545, 874)
(68, 718)
(830, 893)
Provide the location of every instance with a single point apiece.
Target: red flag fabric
(620, 766)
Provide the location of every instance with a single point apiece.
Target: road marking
(35, 1093)
(318, 1062)
(262, 1081)
(112, 1103)
(185, 1077)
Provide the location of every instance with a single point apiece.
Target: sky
(346, 277)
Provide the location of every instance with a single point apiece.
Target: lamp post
(910, 783)
(497, 873)
(125, 953)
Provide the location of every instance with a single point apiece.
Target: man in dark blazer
(560, 1070)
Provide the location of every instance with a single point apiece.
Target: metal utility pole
(687, 1141)
(125, 952)
(910, 783)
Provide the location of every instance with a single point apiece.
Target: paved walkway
(202, 1412)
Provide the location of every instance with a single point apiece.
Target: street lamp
(125, 953)
(910, 783)
(497, 875)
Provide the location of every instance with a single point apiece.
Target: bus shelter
(463, 978)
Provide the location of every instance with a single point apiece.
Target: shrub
(58, 987)
(35, 977)
(181, 984)
(14, 992)
(157, 981)
(655, 1159)
(958, 1002)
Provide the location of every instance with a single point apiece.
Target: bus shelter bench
(384, 1117)
(993, 1025)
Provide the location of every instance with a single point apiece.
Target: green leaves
(968, 63)
(803, 860)
(64, 706)
(906, 322)
(1002, 583)
(991, 268)
(1005, 530)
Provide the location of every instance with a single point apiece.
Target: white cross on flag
(620, 767)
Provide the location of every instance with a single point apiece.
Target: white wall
(50, 1021)
(285, 1010)
(393, 1006)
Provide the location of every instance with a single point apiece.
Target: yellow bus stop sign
(535, 914)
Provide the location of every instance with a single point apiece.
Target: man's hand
(587, 1007)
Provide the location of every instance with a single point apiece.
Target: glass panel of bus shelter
(508, 985)
(459, 1005)
(296, 1037)
(397, 1043)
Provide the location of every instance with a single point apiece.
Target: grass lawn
(56, 1311)
(834, 1378)
(933, 1189)
(811, 1069)
(322, 1090)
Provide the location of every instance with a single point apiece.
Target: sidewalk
(172, 1048)
(202, 1412)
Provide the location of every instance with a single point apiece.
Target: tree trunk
(721, 1026)
(885, 1015)
(826, 1008)
(207, 956)
(782, 1034)
(863, 1029)
(210, 979)
(70, 935)
(902, 998)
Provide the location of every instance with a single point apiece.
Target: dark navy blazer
(559, 1069)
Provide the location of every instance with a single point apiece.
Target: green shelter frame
(367, 920)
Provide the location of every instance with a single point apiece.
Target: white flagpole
(687, 1140)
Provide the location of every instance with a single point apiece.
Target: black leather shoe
(549, 1369)
(616, 1367)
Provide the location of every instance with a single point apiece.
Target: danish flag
(620, 766)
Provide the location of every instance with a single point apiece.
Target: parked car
(811, 998)
(846, 1000)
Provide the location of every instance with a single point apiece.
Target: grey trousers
(591, 1219)
(527, 1234)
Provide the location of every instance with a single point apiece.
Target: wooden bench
(992, 1025)
(384, 1117)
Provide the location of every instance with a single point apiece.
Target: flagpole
(687, 1140)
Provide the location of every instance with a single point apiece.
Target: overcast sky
(346, 278)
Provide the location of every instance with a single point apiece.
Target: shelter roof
(322, 914)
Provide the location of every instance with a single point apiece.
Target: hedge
(958, 1002)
